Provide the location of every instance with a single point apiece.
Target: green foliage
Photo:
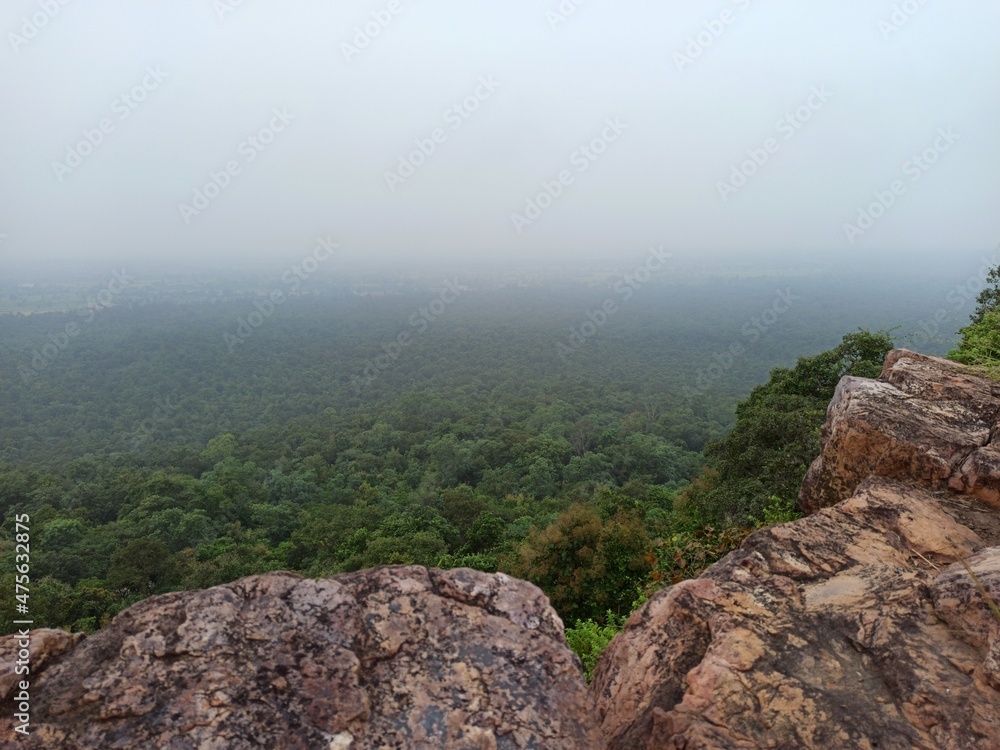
(476, 561)
(237, 552)
(777, 510)
(476, 448)
(588, 565)
(220, 448)
(415, 548)
(776, 435)
(980, 344)
(486, 534)
(687, 553)
(589, 638)
(141, 568)
(988, 300)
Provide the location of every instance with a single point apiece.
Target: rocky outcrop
(926, 419)
(859, 626)
(846, 629)
(400, 657)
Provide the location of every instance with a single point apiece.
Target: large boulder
(868, 624)
(398, 657)
(925, 419)
(856, 627)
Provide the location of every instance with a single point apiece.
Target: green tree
(589, 638)
(143, 567)
(776, 434)
(989, 298)
(980, 342)
(541, 479)
(587, 564)
(461, 507)
(220, 447)
(486, 534)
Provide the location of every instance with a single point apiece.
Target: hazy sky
(737, 126)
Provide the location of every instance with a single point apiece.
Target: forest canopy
(151, 456)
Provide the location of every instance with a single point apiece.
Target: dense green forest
(173, 444)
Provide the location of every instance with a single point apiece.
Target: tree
(486, 534)
(989, 298)
(142, 568)
(220, 447)
(583, 436)
(541, 479)
(980, 344)
(591, 466)
(418, 548)
(461, 507)
(586, 564)
(776, 434)
(589, 639)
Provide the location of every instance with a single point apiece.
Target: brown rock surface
(926, 419)
(858, 626)
(44, 645)
(958, 600)
(386, 658)
(846, 629)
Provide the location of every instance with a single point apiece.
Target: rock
(847, 629)
(937, 379)
(399, 657)
(959, 601)
(44, 645)
(926, 419)
(859, 626)
(979, 475)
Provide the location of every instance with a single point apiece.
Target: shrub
(686, 554)
(589, 639)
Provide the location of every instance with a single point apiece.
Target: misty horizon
(213, 134)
